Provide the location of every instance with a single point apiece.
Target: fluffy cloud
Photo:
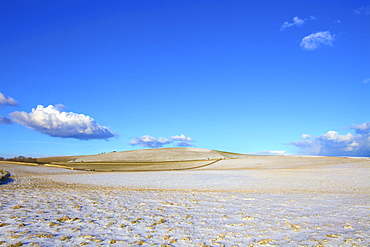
(182, 141)
(306, 136)
(4, 120)
(152, 142)
(314, 40)
(7, 101)
(181, 137)
(362, 129)
(334, 144)
(53, 121)
(296, 22)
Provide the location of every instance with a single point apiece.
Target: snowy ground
(321, 206)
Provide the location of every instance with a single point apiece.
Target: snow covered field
(304, 206)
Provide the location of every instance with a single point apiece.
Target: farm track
(130, 166)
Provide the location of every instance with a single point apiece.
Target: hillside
(159, 159)
(158, 155)
(169, 159)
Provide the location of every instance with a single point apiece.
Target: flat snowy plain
(326, 205)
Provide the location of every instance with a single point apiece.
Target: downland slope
(159, 159)
(168, 159)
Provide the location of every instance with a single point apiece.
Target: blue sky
(240, 76)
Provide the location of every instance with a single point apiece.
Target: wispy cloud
(182, 141)
(334, 144)
(5, 120)
(366, 81)
(7, 101)
(53, 121)
(184, 144)
(315, 40)
(297, 22)
(274, 152)
(364, 10)
(150, 141)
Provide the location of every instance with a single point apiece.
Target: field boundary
(130, 169)
(59, 166)
(130, 162)
(19, 163)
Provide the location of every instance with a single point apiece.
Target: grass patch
(4, 175)
(135, 166)
(47, 160)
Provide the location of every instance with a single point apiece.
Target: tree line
(20, 159)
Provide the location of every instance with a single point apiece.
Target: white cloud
(314, 40)
(5, 120)
(184, 144)
(366, 81)
(52, 121)
(150, 141)
(7, 101)
(298, 22)
(364, 10)
(181, 137)
(182, 141)
(334, 144)
(362, 129)
(274, 152)
(306, 136)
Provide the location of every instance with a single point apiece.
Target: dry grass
(47, 160)
(155, 155)
(3, 175)
(135, 166)
(145, 155)
(18, 163)
(284, 162)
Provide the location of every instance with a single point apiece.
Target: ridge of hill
(148, 155)
(169, 159)
(157, 155)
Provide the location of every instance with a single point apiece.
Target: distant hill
(170, 159)
(159, 159)
(158, 155)
(148, 155)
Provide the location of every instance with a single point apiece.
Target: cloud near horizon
(274, 152)
(152, 142)
(334, 144)
(53, 121)
(315, 40)
(182, 141)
